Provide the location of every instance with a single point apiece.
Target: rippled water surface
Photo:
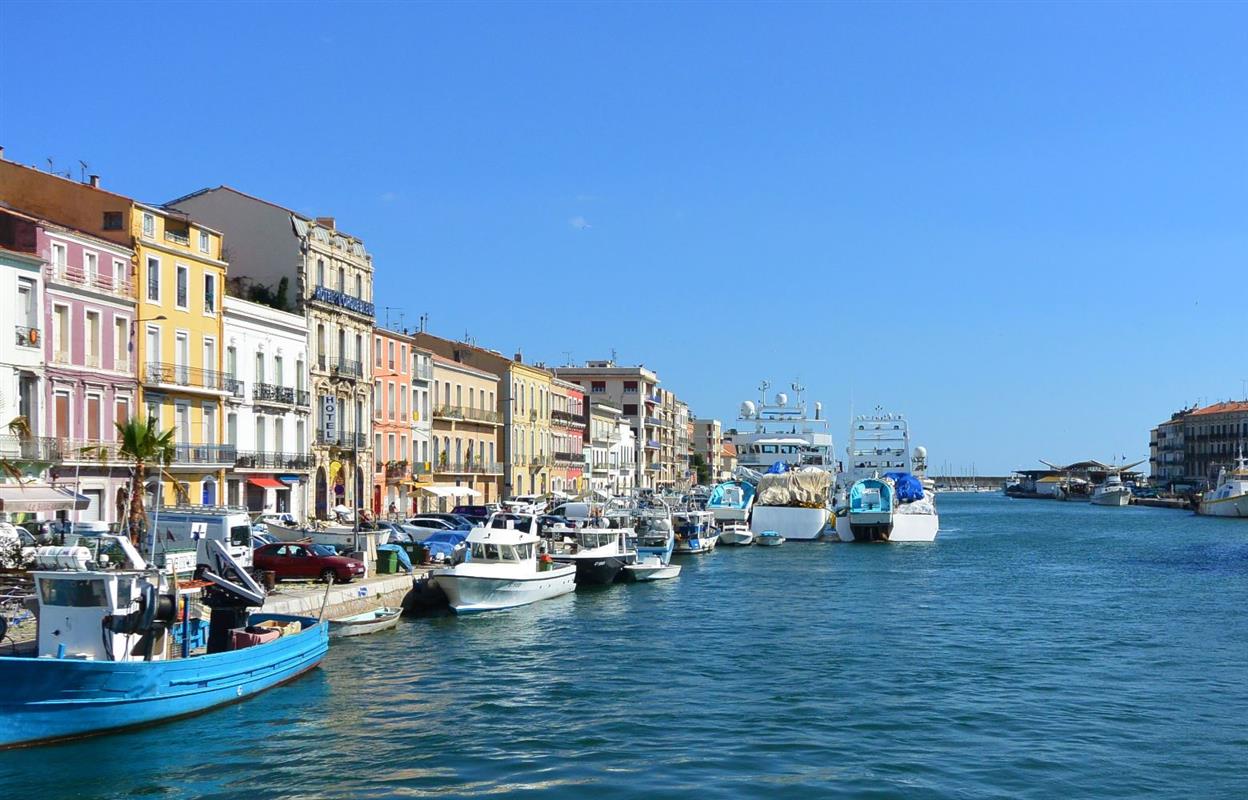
(1038, 649)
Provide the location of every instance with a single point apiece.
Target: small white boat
(736, 533)
(504, 570)
(652, 568)
(379, 619)
(1230, 497)
(1113, 492)
(769, 539)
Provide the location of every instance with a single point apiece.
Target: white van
(181, 533)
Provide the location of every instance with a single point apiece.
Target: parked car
(303, 561)
(458, 521)
(20, 541)
(261, 538)
(477, 515)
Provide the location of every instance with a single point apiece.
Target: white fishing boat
(379, 619)
(769, 539)
(886, 495)
(1113, 492)
(1230, 497)
(694, 532)
(504, 569)
(651, 568)
(735, 533)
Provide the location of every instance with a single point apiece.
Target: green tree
(144, 444)
(700, 467)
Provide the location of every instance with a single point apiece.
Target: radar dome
(920, 452)
(747, 409)
(782, 399)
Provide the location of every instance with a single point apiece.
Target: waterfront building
(21, 347)
(393, 429)
(708, 442)
(728, 461)
(179, 274)
(307, 266)
(466, 436)
(611, 450)
(634, 390)
(267, 418)
(83, 332)
(1187, 451)
(422, 426)
(524, 406)
(567, 423)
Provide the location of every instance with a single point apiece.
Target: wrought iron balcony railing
(190, 377)
(567, 418)
(468, 467)
(205, 454)
(269, 393)
(260, 459)
(466, 413)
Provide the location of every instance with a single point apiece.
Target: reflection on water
(1038, 649)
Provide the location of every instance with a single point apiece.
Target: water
(1039, 649)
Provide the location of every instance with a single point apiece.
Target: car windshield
(322, 550)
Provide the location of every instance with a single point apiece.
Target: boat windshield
(596, 538)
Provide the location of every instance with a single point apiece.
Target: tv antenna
(84, 166)
(424, 322)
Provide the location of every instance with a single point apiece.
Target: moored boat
(597, 553)
(1113, 492)
(379, 619)
(889, 497)
(735, 533)
(769, 539)
(694, 532)
(651, 568)
(730, 501)
(1229, 498)
(793, 503)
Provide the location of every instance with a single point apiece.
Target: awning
(450, 491)
(267, 483)
(291, 479)
(31, 497)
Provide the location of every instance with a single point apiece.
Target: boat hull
(470, 594)
(699, 544)
(67, 698)
(1121, 498)
(652, 572)
(1236, 506)
(793, 523)
(769, 541)
(594, 570)
(736, 537)
(362, 624)
(899, 528)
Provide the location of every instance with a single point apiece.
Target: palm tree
(19, 427)
(142, 442)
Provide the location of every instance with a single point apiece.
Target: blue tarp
(777, 468)
(908, 487)
(403, 559)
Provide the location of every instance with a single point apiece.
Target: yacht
(783, 432)
(793, 503)
(1113, 492)
(504, 570)
(886, 494)
(1230, 497)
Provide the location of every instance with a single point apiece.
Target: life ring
(33, 335)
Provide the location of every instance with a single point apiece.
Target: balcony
(655, 421)
(30, 448)
(89, 451)
(269, 393)
(537, 462)
(192, 378)
(567, 419)
(333, 297)
(183, 239)
(396, 470)
(258, 459)
(653, 398)
(423, 372)
(421, 468)
(196, 454)
(343, 439)
(76, 276)
(652, 444)
(467, 414)
(569, 458)
(27, 336)
(346, 368)
(468, 467)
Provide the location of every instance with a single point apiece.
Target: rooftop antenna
(567, 357)
(84, 166)
(424, 322)
(763, 386)
(612, 355)
(50, 169)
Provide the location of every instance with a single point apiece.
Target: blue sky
(1021, 224)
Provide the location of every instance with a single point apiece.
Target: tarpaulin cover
(777, 468)
(908, 487)
(801, 488)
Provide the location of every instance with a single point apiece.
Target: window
(359, 350)
(112, 220)
(231, 428)
(403, 448)
(92, 339)
(390, 355)
(260, 367)
(359, 287)
(403, 401)
(231, 361)
(153, 344)
(60, 334)
(299, 375)
(403, 359)
(377, 451)
(377, 410)
(210, 293)
(262, 430)
(94, 421)
(277, 371)
(377, 351)
(279, 435)
(390, 399)
(630, 409)
(153, 279)
(149, 225)
(210, 423)
(320, 344)
(91, 266)
(60, 409)
(390, 447)
(598, 386)
(184, 276)
(342, 279)
(121, 342)
(300, 438)
(121, 412)
(320, 272)
(203, 242)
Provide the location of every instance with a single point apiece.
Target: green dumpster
(387, 562)
(415, 552)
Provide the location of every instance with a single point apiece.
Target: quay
(344, 599)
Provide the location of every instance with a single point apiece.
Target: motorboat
(793, 503)
(598, 553)
(503, 569)
(769, 539)
(887, 496)
(1229, 498)
(379, 619)
(651, 568)
(107, 656)
(653, 536)
(731, 501)
(694, 532)
(735, 532)
(1113, 492)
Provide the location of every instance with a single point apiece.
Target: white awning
(32, 497)
(450, 491)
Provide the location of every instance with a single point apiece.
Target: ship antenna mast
(762, 392)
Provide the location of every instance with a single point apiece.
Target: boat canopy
(731, 494)
(908, 487)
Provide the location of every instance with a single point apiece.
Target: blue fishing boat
(731, 500)
(106, 658)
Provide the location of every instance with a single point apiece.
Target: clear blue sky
(1024, 225)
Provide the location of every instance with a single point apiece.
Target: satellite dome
(920, 452)
(782, 399)
(747, 409)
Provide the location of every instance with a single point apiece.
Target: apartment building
(393, 428)
(466, 436)
(635, 391)
(567, 425)
(708, 442)
(1189, 449)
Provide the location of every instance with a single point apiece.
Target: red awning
(267, 483)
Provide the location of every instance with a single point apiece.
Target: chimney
(325, 222)
(519, 359)
(1, 151)
(95, 181)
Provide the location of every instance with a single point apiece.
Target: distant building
(393, 429)
(567, 426)
(1188, 450)
(467, 430)
(708, 442)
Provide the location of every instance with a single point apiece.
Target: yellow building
(178, 347)
(532, 449)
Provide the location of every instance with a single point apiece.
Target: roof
(357, 246)
(730, 449)
(453, 364)
(1225, 407)
(54, 227)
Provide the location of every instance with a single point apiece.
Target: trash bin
(387, 562)
(415, 552)
(268, 578)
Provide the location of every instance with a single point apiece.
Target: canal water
(1038, 649)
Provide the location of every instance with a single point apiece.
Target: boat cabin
(871, 496)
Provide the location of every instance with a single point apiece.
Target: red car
(304, 561)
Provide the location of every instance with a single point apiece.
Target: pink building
(89, 314)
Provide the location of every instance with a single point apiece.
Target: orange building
(394, 414)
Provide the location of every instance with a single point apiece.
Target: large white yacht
(885, 494)
(1230, 497)
(783, 431)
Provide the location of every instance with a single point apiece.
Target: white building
(21, 342)
(422, 422)
(267, 419)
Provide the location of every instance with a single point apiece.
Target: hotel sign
(329, 416)
(335, 298)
